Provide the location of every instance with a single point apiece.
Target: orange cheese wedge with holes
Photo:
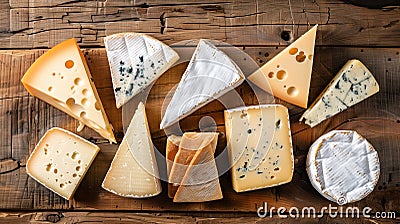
(61, 77)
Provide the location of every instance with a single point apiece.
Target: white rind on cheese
(60, 160)
(61, 77)
(351, 85)
(288, 74)
(260, 146)
(134, 171)
(209, 75)
(343, 166)
(136, 60)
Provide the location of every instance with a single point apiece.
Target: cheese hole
(277, 66)
(69, 64)
(69, 182)
(45, 151)
(85, 92)
(293, 51)
(278, 124)
(281, 75)
(79, 161)
(62, 185)
(276, 169)
(78, 168)
(310, 57)
(54, 74)
(83, 114)
(55, 171)
(292, 91)
(56, 180)
(97, 106)
(300, 57)
(72, 87)
(48, 167)
(62, 77)
(74, 155)
(84, 102)
(271, 75)
(73, 106)
(78, 81)
(50, 88)
(74, 175)
(272, 177)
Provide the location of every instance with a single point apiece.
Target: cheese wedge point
(287, 75)
(136, 60)
(209, 75)
(351, 85)
(61, 77)
(60, 161)
(272, 147)
(134, 171)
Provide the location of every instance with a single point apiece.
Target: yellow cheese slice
(201, 182)
(134, 171)
(288, 74)
(62, 78)
(172, 148)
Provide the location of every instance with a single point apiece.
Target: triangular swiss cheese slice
(134, 171)
(209, 75)
(136, 60)
(288, 74)
(62, 78)
(201, 182)
(352, 84)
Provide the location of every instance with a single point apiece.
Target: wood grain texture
(24, 119)
(42, 24)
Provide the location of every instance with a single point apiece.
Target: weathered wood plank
(42, 24)
(202, 218)
(24, 119)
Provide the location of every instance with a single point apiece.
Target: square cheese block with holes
(61, 77)
(288, 74)
(260, 146)
(134, 170)
(136, 60)
(209, 75)
(60, 161)
(351, 85)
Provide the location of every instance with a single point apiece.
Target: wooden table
(29, 28)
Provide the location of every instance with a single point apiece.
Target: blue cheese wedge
(343, 166)
(136, 60)
(260, 146)
(209, 75)
(352, 84)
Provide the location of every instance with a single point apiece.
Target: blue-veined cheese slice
(136, 60)
(352, 84)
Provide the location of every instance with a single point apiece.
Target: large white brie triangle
(136, 60)
(288, 74)
(209, 75)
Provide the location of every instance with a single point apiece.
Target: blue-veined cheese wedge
(352, 84)
(136, 60)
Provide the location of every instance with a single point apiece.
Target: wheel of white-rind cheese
(343, 166)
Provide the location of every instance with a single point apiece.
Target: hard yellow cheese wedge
(60, 161)
(288, 74)
(134, 171)
(62, 78)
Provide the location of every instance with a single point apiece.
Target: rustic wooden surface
(345, 32)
